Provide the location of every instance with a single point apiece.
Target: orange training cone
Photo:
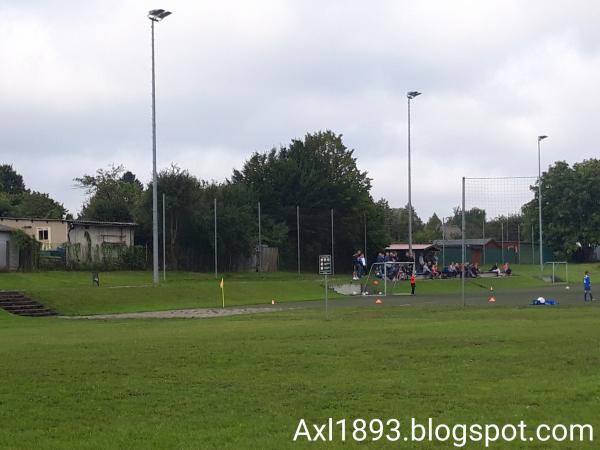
(492, 299)
(378, 301)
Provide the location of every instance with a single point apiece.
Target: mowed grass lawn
(246, 381)
(72, 293)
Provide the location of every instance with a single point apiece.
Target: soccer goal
(499, 227)
(556, 272)
(389, 278)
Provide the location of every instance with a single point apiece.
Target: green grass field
(246, 381)
(72, 293)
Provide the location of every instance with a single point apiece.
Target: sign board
(324, 264)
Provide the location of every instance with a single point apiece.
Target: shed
(423, 252)
(475, 250)
(9, 253)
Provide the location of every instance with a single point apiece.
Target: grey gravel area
(204, 313)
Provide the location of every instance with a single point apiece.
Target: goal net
(499, 226)
(556, 272)
(389, 278)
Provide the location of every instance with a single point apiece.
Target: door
(4, 255)
(476, 256)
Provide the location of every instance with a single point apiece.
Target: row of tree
(316, 174)
(18, 201)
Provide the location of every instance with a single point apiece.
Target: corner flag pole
(223, 291)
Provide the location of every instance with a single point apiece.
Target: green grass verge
(72, 293)
(244, 382)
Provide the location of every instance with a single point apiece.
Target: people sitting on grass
(450, 271)
(496, 269)
(427, 270)
(472, 270)
(506, 269)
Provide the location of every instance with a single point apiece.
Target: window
(43, 236)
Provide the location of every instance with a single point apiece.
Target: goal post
(387, 273)
(560, 271)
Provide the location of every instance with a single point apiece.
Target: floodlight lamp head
(541, 138)
(412, 94)
(156, 15)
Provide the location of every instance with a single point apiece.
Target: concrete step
(22, 306)
(45, 313)
(17, 303)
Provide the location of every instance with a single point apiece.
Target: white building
(84, 236)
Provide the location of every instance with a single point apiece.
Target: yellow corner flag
(222, 285)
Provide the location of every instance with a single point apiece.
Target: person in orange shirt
(413, 283)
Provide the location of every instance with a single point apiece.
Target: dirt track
(204, 313)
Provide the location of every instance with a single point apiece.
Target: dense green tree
(430, 231)
(397, 223)
(38, 204)
(112, 197)
(318, 174)
(10, 181)
(18, 201)
(474, 222)
(570, 208)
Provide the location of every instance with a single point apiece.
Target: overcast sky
(234, 77)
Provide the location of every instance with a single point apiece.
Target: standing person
(413, 283)
(355, 264)
(363, 263)
(587, 287)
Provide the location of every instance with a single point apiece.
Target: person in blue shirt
(587, 287)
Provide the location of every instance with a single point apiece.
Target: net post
(385, 278)
(463, 243)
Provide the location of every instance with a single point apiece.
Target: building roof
(416, 247)
(72, 221)
(102, 224)
(458, 242)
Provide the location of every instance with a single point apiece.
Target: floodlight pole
(483, 236)
(464, 231)
(154, 177)
(519, 243)
(298, 234)
(155, 15)
(532, 246)
(216, 254)
(164, 239)
(410, 95)
(502, 239)
(332, 246)
(443, 242)
(259, 241)
(540, 138)
(365, 246)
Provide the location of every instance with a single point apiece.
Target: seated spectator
(506, 268)
(495, 269)
(427, 270)
(452, 271)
